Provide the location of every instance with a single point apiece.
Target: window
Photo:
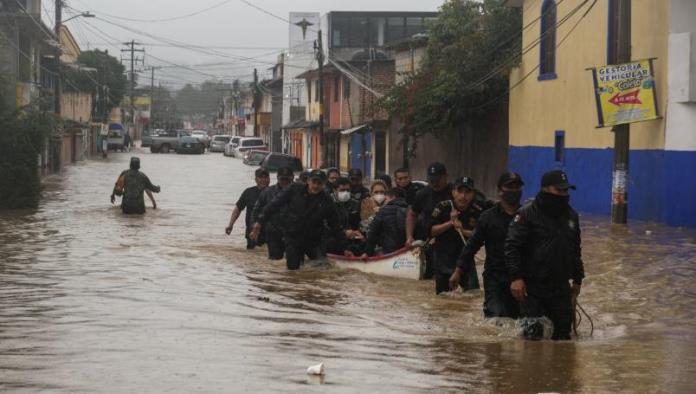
(377, 26)
(316, 91)
(337, 85)
(414, 26)
(358, 33)
(547, 49)
(346, 87)
(395, 29)
(559, 146)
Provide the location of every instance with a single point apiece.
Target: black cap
(435, 170)
(285, 172)
(556, 178)
(464, 181)
(261, 172)
(135, 163)
(355, 173)
(509, 178)
(318, 174)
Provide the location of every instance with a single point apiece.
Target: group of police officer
(532, 250)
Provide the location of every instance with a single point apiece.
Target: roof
(302, 124)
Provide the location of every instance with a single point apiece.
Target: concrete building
(553, 114)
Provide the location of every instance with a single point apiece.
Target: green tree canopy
(106, 81)
(471, 48)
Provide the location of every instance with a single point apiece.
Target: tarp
(353, 130)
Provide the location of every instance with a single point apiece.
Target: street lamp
(85, 14)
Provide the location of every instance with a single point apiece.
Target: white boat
(404, 263)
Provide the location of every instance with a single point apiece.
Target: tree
(463, 81)
(23, 134)
(107, 85)
(202, 101)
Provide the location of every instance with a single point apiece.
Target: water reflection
(94, 300)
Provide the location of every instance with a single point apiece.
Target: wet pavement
(92, 300)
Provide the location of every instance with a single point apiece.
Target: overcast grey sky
(233, 27)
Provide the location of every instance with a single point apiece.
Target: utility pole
(57, 88)
(131, 87)
(621, 54)
(319, 47)
(256, 103)
(152, 95)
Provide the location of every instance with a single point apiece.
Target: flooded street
(92, 300)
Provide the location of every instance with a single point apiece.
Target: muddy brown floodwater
(92, 300)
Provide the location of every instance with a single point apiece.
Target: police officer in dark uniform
(357, 190)
(247, 201)
(452, 224)
(273, 230)
(542, 253)
(348, 210)
(491, 230)
(420, 211)
(402, 177)
(310, 211)
(131, 184)
(332, 175)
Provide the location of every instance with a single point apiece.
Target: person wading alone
(131, 184)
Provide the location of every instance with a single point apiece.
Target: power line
(272, 14)
(165, 19)
(518, 83)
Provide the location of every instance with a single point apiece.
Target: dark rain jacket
(543, 248)
(267, 195)
(388, 228)
(491, 230)
(306, 215)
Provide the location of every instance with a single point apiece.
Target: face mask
(553, 204)
(379, 198)
(512, 197)
(343, 196)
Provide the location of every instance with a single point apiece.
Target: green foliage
(23, 134)
(463, 81)
(202, 100)
(109, 72)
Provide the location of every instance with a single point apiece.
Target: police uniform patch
(436, 212)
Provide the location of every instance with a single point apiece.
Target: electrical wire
(217, 5)
(518, 83)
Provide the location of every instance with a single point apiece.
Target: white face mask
(343, 196)
(379, 198)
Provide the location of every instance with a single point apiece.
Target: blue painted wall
(661, 188)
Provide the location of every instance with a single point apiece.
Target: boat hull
(406, 263)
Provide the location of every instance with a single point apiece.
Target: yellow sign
(625, 93)
(142, 101)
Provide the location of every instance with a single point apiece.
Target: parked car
(116, 137)
(234, 141)
(217, 144)
(202, 136)
(247, 144)
(166, 141)
(273, 161)
(254, 157)
(146, 140)
(190, 144)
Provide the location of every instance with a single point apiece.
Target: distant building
(27, 54)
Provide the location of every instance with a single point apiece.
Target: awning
(353, 130)
(301, 124)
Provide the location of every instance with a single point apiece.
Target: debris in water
(316, 369)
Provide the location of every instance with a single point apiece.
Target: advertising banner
(625, 93)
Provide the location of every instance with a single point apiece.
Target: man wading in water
(131, 184)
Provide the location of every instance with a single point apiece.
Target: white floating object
(316, 369)
(648, 232)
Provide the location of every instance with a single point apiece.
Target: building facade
(553, 115)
